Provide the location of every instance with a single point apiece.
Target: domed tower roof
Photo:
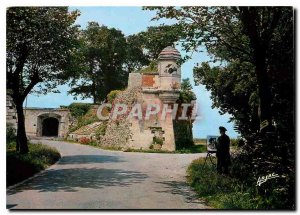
(169, 53)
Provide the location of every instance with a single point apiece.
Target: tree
(136, 58)
(186, 93)
(156, 38)
(232, 91)
(236, 36)
(39, 40)
(102, 62)
(106, 56)
(183, 129)
(251, 69)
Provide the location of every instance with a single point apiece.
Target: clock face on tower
(171, 69)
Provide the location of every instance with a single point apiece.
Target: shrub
(101, 131)
(158, 140)
(151, 68)
(112, 95)
(88, 118)
(22, 166)
(263, 155)
(10, 134)
(84, 140)
(79, 109)
(183, 134)
(229, 192)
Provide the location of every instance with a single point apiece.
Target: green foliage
(156, 38)
(239, 80)
(151, 68)
(232, 89)
(186, 93)
(199, 141)
(251, 77)
(183, 128)
(79, 109)
(10, 134)
(101, 131)
(183, 134)
(39, 42)
(102, 61)
(135, 58)
(22, 166)
(258, 158)
(224, 192)
(112, 95)
(158, 140)
(235, 143)
(86, 119)
(192, 149)
(30, 30)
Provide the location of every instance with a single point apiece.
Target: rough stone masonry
(160, 87)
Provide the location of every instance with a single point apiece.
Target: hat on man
(221, 128)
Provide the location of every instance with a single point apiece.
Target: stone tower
(161, 87)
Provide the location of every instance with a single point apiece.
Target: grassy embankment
(22, 166)
(222, 192)
(197, 148)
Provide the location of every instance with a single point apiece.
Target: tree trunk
(250, 18)
(263, 87)
(94, 94)
(22, 145)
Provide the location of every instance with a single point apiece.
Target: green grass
(201, 141)
(22, 166)
(222, 192)
(147, 151)
(190, 150)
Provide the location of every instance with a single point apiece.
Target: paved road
(90, 178)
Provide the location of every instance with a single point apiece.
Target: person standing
(223, 152)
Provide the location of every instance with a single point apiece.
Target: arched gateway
(47, 122)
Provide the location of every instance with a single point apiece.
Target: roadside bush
(22, 166)
(10, 134)
(264, 155)
(230, 192)
(84, 140)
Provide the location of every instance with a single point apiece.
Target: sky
(131, 20)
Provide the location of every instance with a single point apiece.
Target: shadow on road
(70, 180)
(87, 159)
(180, 188)
(10, 206)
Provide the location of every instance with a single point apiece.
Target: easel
(209, 156)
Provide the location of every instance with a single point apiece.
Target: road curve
(92, 178)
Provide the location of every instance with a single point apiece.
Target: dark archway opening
(50, 127)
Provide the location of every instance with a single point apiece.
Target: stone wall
(11, 113)
(134, 80)
(34, 118)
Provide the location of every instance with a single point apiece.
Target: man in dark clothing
(223, 154)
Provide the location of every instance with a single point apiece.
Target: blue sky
(132, 20)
